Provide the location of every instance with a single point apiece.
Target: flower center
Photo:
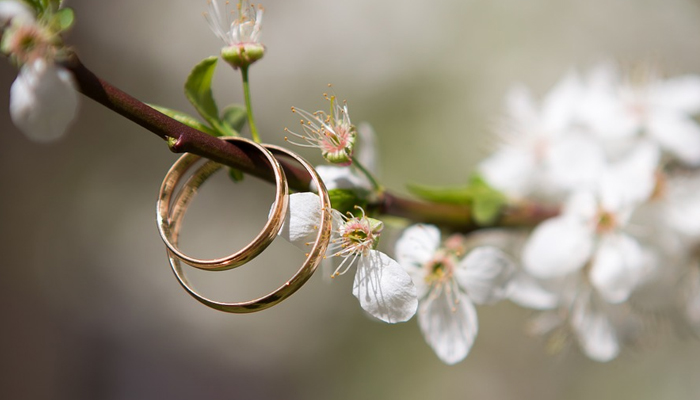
(357, 236)
(607, 221)
(439, 269)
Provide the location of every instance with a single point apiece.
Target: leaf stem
(249, 104)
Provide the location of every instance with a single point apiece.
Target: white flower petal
(618, 267)
(575, 163)
(414, 249)
(341, 178)
(526, 291)
(15, 10)
(594, 331)
(384, 289)
(682, 208)
(631, 180)
(449, 327)
(484, 274)
(417, 245)
(678, 134)
(510, 170)
(559, 106)
(43, 101)
(557, 247)
(303, 217)
(681, 93)
(581, 205)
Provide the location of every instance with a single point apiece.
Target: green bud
(242, 55)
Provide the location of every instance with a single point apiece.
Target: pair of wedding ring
(171, 207)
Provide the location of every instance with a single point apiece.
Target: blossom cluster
(618, 156)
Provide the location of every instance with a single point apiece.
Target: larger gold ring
(250, 251)
(308, 267)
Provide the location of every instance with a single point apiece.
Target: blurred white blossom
(43, 100)
(591, 231)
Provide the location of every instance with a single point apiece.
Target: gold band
(313, 258)
(250, 251)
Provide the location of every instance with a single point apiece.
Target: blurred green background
(90, 309)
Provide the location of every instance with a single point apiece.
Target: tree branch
(183, 139)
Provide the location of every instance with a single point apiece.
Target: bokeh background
(89, 307)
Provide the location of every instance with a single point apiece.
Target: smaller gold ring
(250, 251)
(308, 267)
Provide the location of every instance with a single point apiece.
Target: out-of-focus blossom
(15, 10)
(43, 100)
(660, 110)
(543, 153)
(591, 231)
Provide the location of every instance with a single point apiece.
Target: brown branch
(183, 138)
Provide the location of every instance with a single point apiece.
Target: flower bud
(242, 55)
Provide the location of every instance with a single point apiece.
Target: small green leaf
(235, 117)
(449, 195)
(235, 175)
(486, 202)
(185, 119)
(345, 200)
(64, 18)
(198, 91)
(486, 210)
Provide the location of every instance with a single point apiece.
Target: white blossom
(15, 10)
(591, 231)
(448, 286)
(43, 100)
(382, 287)
(332, 133)
(543, 153)
(236, 27)
(659, 110)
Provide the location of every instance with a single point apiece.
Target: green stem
(249, 105)
(375, 185)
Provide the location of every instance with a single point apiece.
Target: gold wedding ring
(250, 251)
(172, 217)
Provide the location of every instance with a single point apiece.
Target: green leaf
(64, 18)
(486, 202)
(235, 117)
(448, 195)
(235, 175)
(487, 209)
(198, 91)
(186, 119)
(345, 200)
